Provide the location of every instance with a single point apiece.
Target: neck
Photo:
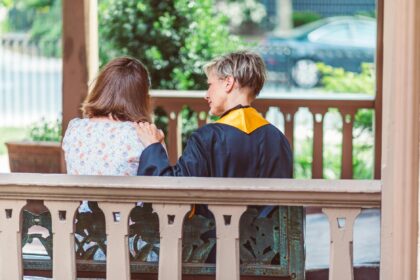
(239, 98)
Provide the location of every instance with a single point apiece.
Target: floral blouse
(94, 147)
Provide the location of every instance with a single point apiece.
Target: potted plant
(42, 153)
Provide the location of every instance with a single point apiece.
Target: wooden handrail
(244, 191)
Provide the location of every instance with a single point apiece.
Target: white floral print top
(96, 147)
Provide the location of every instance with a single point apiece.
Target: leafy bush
(302, 159)
(301, 18)
(173, 38)
(338, 80)
(46, 29)
(41, 19)
(46, 131)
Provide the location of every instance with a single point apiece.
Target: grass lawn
(9, 134)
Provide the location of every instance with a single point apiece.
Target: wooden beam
(80, 54)
(379, 88)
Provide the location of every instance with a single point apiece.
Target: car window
(337, 33)
(364, 33)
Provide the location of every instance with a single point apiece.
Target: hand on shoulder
(149, 134)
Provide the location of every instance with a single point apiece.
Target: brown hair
(121, 91)
(246, 67)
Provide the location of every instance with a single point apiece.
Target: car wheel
(305, 73)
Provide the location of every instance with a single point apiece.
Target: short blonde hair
(246, 67)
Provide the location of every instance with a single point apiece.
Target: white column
(171, 219)
(401, 141)
(341, 247)
(10, 240)
(62, 218)
(117, 254)
(227, 246)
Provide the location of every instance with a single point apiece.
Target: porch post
(171, 221)
(11, 239)
(80, 53)
(62, 219)
(400, 134)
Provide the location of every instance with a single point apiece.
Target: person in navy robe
(240, 144)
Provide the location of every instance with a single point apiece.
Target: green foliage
(173, 38)
(6, 3)
(301, 18)
(19, 19)
(46, 29)
(362, 160)
(371, 14)
(338, 80)
(46, 131)
(302, 159)
(189, 121)
(41, 19)
(332, 161)
(363, 157)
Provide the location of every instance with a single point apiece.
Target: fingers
(149, 133)
(153, 130)
(161, 133)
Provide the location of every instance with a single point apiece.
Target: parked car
(337, 41)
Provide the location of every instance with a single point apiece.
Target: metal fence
(30, 80)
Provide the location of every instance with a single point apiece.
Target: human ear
(229, 83)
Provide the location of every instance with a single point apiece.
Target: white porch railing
(341, 201)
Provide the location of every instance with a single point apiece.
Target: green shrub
(46, 131)
(46, 29)
(173, 38)
(41, 19)
(302, 159)
(301, 18)
(338, 80)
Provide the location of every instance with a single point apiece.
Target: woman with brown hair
(105, 142)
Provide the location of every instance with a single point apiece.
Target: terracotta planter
(35, 157)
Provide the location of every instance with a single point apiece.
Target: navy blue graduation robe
(241, 144)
